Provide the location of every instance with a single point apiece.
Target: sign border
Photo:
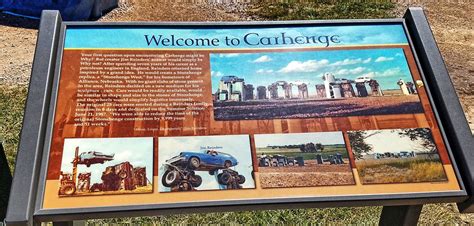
(28, 187)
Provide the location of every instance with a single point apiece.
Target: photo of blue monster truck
(180, 170)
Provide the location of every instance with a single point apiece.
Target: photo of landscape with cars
(205, 163)
(102, 166)
(396, 156)
(303, 160)
(310, 84)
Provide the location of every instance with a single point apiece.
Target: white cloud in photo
(392, 72)
(216, 74)
(353, 71)
(342, 72)
(399, 54)
(228, 55)
(306, 66)
(351, 62)
(264, 71)
(369, 74)
(357, 70)
(262, 59)
(346, 62)
(383, 59)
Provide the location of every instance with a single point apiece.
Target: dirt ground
(309, 175)
(310, 108)
(451, 22)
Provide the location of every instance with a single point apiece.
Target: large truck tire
(170, 178)
(224, 178)
(196, 181)
(194, 162)
(241, 179)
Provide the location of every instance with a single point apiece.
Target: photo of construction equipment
(313, 84)
(396, 156)
(303, 160)
(101, 166)
(205, 163)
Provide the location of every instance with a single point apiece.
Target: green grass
(12, 101)
(404, 170)
(323, 9)
(294, 216)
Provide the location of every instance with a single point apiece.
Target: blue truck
(180, 169)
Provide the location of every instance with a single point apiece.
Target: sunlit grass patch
(323, 9)
(406, 170)
(12, 101)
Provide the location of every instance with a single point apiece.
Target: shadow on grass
(12, 104)
(17, 21)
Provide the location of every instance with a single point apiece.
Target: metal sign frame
(32, 160)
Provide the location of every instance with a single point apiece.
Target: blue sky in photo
(386, 65)
(134, 37)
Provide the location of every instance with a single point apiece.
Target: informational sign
(129, 119)
(160, 115)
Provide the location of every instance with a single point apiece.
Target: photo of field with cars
(303, 160)
(396, 156)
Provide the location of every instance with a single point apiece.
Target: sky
(134, 37)
(390, 141)
(387, 66)
(325, 138)
(235, 145)
(137, 150)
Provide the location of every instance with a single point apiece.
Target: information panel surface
(165, 115)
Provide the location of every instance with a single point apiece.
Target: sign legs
(69, 223)
(5, 183)
(400, 215)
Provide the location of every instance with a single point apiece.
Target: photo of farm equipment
(119, 177)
